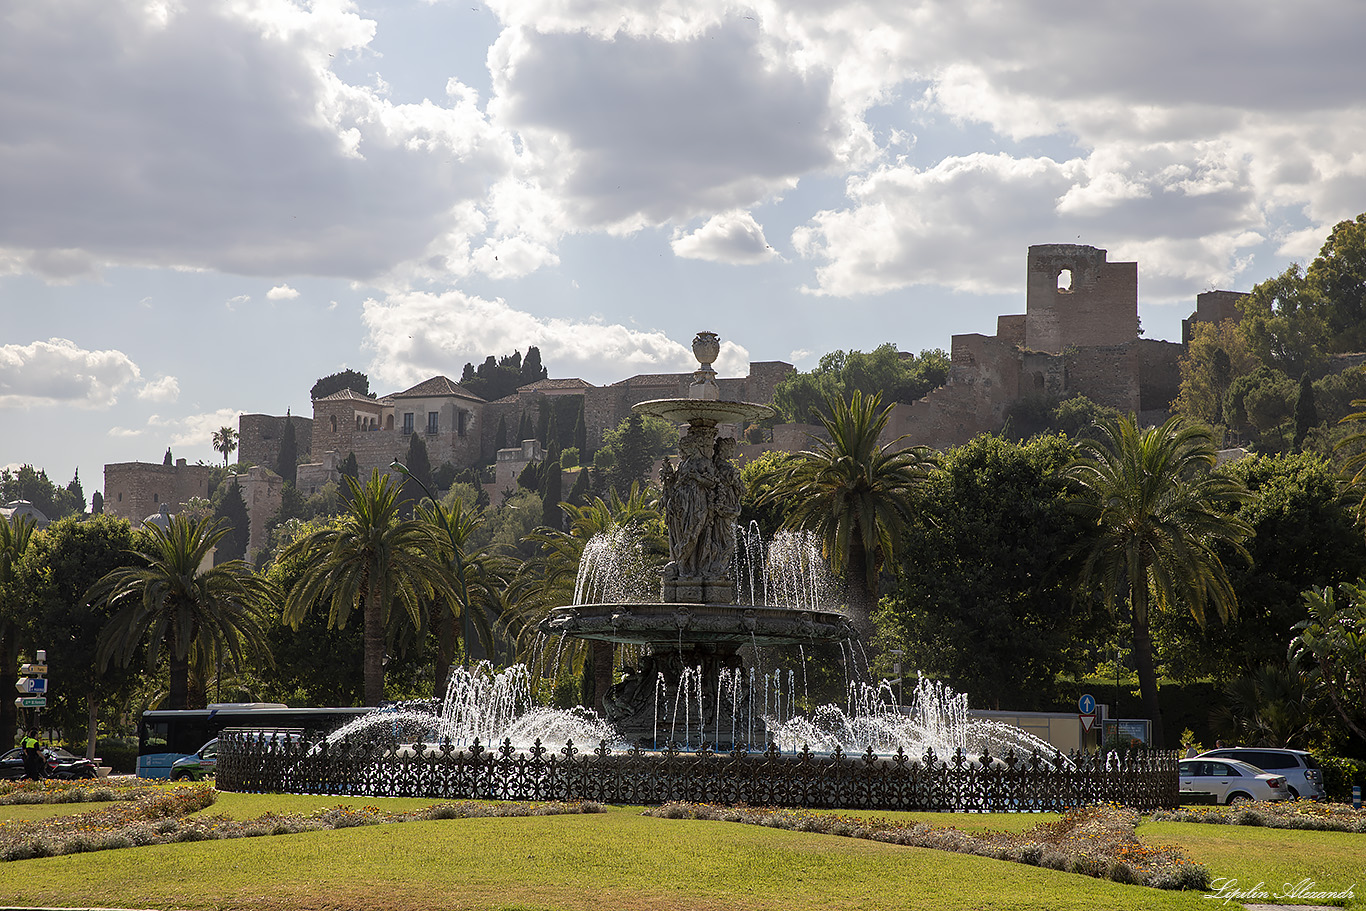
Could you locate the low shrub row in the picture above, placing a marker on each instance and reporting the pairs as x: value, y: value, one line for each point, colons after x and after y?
x: 1096, y: 840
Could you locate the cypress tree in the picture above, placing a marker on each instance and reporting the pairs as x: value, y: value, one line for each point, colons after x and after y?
x: 166, y: 460
x: 578, y: 494
x: 581, y: 436
x: 287, y: 462
x: 349, y: 467
x: 552, y: 486
x: 543, y: 423
x: 530, y: 478
x: 233, y: 509
x: 500, y: 440
x: 531, y: 369
x: 525, y: 431
x: 419, y: 465
x: 96, y: 503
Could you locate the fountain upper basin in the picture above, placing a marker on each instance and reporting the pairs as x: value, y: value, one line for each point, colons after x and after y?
x: 694, y: 624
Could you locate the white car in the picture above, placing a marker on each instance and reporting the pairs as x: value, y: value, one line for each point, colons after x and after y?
x: 1229, y: 780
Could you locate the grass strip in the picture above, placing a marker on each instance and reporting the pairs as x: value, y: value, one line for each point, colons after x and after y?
x: 587, y: 862
x: 1096, y: 840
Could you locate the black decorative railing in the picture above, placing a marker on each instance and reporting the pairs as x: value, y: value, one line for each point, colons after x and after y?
x: 258, y: 761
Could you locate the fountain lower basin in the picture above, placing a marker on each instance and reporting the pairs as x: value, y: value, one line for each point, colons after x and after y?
x: 692, y: 624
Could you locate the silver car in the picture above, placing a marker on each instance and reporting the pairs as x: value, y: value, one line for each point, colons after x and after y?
x: 1302, y: 774
x: 1229, y: 780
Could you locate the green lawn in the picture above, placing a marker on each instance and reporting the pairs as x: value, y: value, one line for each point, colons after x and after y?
x: 620, y: 859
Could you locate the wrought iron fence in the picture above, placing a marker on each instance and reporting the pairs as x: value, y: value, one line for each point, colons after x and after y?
x: 257, y: 761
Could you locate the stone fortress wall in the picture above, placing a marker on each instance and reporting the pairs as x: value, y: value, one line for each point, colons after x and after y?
x: 1079, y: 335
x: 258, y: 437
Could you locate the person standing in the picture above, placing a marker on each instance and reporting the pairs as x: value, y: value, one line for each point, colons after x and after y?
x: 33, y: 757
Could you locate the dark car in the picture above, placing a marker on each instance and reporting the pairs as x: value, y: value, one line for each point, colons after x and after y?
x: 60, y: 764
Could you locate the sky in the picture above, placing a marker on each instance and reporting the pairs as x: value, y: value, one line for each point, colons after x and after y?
x: 207, y: 205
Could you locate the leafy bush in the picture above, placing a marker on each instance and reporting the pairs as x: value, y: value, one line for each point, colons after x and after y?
x: 1339, y: 774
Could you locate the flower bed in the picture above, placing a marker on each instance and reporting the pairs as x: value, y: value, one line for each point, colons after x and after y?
x: 156, y: 814
x: 1289, y: 814
x: 1096, y: 840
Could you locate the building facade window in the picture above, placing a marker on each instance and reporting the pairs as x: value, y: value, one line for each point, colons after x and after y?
x: 431, y: 422
x: 462, y: 420
x: 408, y: 423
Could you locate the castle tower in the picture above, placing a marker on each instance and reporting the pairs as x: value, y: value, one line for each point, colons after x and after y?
x: 1075, y: 298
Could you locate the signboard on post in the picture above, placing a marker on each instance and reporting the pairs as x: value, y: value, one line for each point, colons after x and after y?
x: 1086, y: 711
x: 31, y: 702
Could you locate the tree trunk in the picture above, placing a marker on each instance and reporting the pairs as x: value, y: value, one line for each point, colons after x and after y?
x: 9, y: 712
x: 374, y: 649
x: 445, y: 650
x: 1143, y: 661
x: 602, y: 674
x: 179, y: 697
x: 863, y: 594
x: 92, y: 724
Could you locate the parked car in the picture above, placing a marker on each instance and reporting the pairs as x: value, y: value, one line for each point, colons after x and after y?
x: 197, y: 765
x: 1229, y: 780
x: 60, y: 764
x: 1302, y: 774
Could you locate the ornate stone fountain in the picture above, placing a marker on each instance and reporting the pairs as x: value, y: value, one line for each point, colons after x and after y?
x: 696, y: 624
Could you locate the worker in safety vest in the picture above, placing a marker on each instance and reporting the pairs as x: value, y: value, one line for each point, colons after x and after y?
x: 33, y: 758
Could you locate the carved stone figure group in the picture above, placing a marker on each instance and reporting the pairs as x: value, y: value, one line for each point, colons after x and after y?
x: 701, y: 506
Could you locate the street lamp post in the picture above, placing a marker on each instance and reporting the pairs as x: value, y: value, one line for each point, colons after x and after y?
x: 402, y: 469
x: 896, y: 669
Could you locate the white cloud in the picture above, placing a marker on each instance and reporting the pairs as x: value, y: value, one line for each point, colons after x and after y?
x: 730, y: 237
x: 282, y: 293
x: 416, y: 335
x: 58, y: 372
x: 162, y: 389
x: 195, y: 430
x: 635, y: 129
x: 215, y: 135
x: 233, y: 302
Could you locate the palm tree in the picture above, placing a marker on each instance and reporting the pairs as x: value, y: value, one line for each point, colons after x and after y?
x: 371, y: 559
x: 15, y: 534
x: 855, y: 494
x: 479, y: 577
x: 180, y: 602
x: 548, y: 579
x: 1159, y: 519
x: 225, y: 441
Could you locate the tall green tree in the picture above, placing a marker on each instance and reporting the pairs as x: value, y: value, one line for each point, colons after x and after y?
x: 1306, y: 412
x: 62, y: 562
x: 1330, y: 648
x: 371, y: 560
x: 984, y: 598
x: 884, y: 371
x: 32, y: 484
x: 336, y: 382
x: 15, y: 533
x: 856, y: 495
x: 1158, y: 525
x: 1337, y: 277
x: 1304, y: 535
x: 176, y: 602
